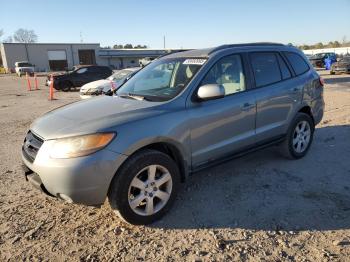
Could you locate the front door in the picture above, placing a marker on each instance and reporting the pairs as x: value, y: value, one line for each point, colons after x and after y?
x: 222, y: 126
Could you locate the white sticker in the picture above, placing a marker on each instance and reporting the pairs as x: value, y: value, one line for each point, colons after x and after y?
x: 194, y: 61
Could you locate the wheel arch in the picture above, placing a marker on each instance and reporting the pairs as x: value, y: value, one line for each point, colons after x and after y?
x: 307, y: 110
x: 167, y: 146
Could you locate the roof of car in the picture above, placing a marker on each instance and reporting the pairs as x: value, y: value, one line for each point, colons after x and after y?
x: 132, y: 68
x: 207, y: 51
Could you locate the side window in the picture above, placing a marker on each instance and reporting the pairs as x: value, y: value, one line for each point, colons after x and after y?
x: 266, y: 68
x: 81, y: 70
x: 284, y: 68
x: 228, y: 72
x: 94, y: 70
x: 298, y: 63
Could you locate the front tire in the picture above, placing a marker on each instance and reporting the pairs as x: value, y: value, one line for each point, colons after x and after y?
x: 299, y: 137
x: 66, y: 86
x: 145, y: 187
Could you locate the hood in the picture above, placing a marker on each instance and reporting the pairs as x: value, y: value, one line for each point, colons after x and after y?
x: 98, y: 114
x: 57, y: 75
x: 96, y: 84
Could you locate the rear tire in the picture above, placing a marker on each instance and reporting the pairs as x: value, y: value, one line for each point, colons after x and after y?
x: 145, y: 187
x: 299, y: 137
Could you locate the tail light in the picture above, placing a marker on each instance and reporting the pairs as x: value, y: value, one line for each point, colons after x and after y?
x: 321, y: 81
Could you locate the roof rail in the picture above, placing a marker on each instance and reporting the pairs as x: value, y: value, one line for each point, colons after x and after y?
x: 221, y: 47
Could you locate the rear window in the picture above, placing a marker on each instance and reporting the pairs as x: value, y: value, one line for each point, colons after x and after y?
x: 266, y: 68
x: 298, y: 64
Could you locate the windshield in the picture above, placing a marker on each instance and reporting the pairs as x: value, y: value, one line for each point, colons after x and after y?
x: 163, y: 79
x: 119, y: 75
x: 25, y: 65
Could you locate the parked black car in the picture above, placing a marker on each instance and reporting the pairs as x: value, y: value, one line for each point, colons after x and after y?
x: 79, y: 76
x: 341, y: 66
x: 318, y: 60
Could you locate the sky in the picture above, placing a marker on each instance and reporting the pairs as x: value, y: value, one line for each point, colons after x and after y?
x: 184, y: 23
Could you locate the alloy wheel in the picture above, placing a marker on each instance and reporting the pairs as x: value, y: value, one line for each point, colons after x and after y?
x: 150, y: 190
x: 301, y: 136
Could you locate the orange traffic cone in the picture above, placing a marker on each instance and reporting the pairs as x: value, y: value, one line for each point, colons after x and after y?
x: 51, y: 89
x: 29, y: 86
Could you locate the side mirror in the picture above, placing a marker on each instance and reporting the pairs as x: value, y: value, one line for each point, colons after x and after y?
x: 210, y: 91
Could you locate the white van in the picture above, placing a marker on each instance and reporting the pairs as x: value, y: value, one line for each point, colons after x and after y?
x: 24, y: 67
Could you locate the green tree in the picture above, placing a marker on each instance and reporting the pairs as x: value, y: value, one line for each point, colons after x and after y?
x: 140, y: 46
x: 319, y: 45
x: 336, y: 44
x: 116, y: 46
x: 128, y: 46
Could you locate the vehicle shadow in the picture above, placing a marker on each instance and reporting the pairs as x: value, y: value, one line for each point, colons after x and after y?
x: 337, y: 80
x: 264, y: 191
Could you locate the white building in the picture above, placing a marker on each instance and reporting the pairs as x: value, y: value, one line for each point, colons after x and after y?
x: 338, y: 51
x: 57, y: 56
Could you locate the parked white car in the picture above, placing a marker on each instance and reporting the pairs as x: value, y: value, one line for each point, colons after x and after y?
x: 24, y: 67
x: 102, y: 86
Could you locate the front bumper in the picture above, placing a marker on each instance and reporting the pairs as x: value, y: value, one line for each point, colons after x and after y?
x: 83, y: 96
x: 83, y: 180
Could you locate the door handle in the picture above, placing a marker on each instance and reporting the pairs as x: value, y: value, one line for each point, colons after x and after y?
x: 247, y: 106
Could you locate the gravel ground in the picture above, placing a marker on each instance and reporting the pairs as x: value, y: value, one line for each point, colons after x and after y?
x: 261, y: 207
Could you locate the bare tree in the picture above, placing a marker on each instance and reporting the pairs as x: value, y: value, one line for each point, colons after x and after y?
x: 25, y: 36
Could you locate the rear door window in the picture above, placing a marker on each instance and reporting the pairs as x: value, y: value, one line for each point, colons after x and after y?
x: 266, y: 68
x: 298, y: 64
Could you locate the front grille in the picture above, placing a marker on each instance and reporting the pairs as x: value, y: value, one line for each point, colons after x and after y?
x: 31, y: 146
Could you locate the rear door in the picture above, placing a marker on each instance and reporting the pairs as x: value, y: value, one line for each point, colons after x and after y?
x: 94, y: 73
x: 222, y: 126
x: 276, y: 96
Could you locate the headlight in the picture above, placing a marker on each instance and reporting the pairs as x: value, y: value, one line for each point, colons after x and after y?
x: 79, y: 145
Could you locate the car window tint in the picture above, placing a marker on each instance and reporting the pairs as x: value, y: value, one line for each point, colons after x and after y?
x: 266, y: 68
x: 81, y: 70
x: 94, y: 69
x: 297, y: 62
x: 228, y: 72
x: 284, y: 68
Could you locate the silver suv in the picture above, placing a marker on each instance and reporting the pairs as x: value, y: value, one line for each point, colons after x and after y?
x: 179, y: 114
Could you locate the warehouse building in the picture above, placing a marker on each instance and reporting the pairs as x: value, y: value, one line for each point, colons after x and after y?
x: 57, y: 57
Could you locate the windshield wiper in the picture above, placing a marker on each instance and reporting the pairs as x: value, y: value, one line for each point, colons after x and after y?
x: 133, y: 96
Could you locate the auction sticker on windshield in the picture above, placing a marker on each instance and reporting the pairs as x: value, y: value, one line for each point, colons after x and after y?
x: 194, y: 61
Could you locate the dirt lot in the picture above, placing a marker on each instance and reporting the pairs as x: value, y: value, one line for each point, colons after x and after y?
x: 261, y: 207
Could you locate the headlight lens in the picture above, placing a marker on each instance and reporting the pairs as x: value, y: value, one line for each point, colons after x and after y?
x: 79, y: 145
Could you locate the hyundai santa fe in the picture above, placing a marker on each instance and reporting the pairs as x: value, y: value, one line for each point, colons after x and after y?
x: 179, y: 114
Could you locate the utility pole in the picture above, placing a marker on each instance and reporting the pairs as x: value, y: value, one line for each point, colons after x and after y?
x: 164, y: 42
